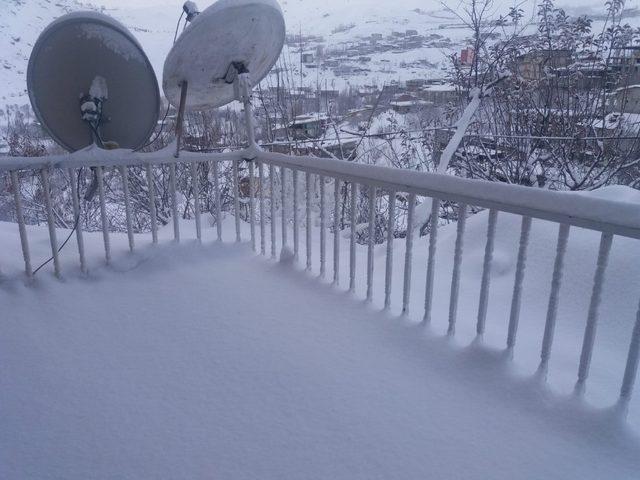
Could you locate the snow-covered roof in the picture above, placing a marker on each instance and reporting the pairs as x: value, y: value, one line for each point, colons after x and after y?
x: 409, y: 103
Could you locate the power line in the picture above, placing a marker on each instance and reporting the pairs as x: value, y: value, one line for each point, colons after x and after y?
x: 492, y: 135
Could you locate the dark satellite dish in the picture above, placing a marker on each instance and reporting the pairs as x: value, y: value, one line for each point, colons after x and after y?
x: 87, y: 72
x: 246, y: 33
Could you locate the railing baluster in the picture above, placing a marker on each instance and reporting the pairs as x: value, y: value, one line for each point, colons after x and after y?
x: 457, y: 263
x: 352, y: 238
x: 124, y: 176
x: 152, y: 204
x: 263, y: 245
x: 44, y: 178
x: 309, y: 229
x: 103, y: 215
x: 323, y: 230
x: 408, y: 255
x: 296, y: 232
x: 594, y: 305
x: 272, y: 205
x: 236, y: 199
x: 486, y: 272
x: 631, y: 368
x: 24, y: 240
x: 336, y: 231
x: 283, y: 206
x: 431, y: 262
x: 252, y: 213
x: 77, y: 220
x: 174, y: 202
x: 388, y: 277
x: 371, y: 241
x: 195, y: 185
x: 516, y: 301
x: 216, y: 191
x: 554, y: 297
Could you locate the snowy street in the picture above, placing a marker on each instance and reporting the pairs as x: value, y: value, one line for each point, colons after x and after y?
x: 208, y: 362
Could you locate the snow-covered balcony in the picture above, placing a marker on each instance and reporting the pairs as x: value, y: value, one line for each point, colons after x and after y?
x: 450, y: 355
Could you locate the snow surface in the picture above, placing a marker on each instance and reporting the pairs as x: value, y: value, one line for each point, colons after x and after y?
x: 208, y: 362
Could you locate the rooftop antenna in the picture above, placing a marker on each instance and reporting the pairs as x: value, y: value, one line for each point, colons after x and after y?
x: 90, y: 82
x: 226, y: 50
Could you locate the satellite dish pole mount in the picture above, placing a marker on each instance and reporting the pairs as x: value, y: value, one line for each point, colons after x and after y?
x: 184, y: 87
x: 238, y: 75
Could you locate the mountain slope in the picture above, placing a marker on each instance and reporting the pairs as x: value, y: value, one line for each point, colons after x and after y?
x: 340, y: 23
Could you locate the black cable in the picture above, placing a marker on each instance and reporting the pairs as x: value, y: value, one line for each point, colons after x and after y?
x: 96, y: 132
x: 157, y: 135
x: 94, y: 128
x: 101, y: 144
x: 175, y: 36
x: 166, y: 114
x: 75, y: 227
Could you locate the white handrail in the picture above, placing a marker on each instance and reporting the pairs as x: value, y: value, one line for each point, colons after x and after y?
x: 575, y: 209
x: 562, y: 207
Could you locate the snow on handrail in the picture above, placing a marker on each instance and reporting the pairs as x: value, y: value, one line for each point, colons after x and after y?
x: 95, y: 157
x: 563, y: 207
x: 599, y: 214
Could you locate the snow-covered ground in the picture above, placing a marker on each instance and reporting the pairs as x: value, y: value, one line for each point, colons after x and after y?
x: 209, y: 362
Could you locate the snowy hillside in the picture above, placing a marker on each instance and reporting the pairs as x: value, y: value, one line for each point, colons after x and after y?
x: 340, y: 23
x: 154, y: 23
x: 21, y: 21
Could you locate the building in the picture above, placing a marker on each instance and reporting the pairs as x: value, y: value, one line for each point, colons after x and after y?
x: 467, y: 56
x: 415, y: 84
x: 626, y: 60
x: 406, y: 103
x: 439, y: 93
x: 534, y: 65
x: 309, y: 126
x: 626, y: 99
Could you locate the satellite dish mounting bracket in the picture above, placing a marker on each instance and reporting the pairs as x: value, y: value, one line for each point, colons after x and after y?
x: 91, y: 114
x: 238, y: 74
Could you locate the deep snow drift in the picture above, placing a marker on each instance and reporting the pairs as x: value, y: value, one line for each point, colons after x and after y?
x: 206, y: 362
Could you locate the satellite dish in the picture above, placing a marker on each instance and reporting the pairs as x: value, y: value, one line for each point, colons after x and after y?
x: 86, y: 65
x: 250, y: 33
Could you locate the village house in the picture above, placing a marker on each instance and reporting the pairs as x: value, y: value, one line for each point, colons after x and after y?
x: 626, y: 99
x: 309, y: 126
x: 534, y: 65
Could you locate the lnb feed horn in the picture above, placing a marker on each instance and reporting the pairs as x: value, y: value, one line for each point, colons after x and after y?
x: 191, y: 10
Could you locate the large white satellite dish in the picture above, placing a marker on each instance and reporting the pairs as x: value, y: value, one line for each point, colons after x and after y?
x: 230, y: 37
x: 88, y: 77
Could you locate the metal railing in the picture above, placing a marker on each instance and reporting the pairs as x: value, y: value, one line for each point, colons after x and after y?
x: 567, y: 210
